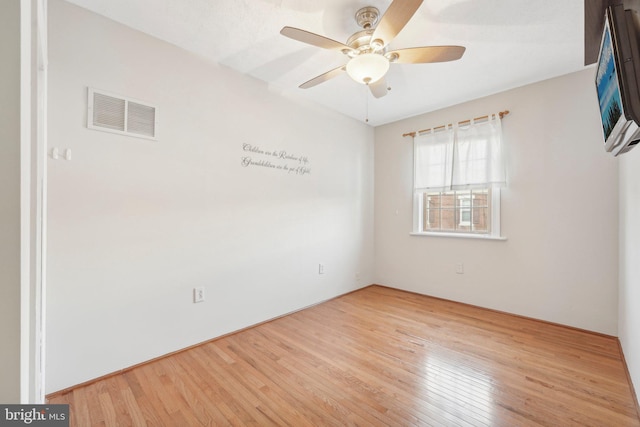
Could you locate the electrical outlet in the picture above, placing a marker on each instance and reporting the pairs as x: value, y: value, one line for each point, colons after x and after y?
x: 320, y: 268
x: 459, y: 268
x: 198, y: 294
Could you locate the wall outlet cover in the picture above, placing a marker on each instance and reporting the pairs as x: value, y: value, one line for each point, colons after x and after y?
x: 198, y: 294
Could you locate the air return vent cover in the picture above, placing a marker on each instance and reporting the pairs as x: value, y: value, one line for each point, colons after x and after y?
x: 115, y: 113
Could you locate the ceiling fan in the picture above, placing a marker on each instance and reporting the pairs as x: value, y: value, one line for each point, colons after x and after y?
x: 369, y: 58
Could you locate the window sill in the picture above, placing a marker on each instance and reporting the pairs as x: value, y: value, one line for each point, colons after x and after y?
x: 458, y: 235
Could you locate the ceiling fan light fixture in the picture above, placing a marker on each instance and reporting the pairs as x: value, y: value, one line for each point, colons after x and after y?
x: 367, y: 68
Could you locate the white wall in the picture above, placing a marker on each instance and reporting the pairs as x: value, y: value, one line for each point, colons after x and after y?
x: 629, y: 290
x: 135, y: 225
x: 559, y: 212
x: 10, y: 202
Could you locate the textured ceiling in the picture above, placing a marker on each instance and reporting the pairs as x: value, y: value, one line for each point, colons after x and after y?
x: 509, y: 43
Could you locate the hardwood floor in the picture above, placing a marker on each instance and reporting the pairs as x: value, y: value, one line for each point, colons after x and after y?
x: 378, y: 357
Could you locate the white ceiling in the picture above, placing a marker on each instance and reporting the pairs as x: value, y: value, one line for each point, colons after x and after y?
x: 509, y: 43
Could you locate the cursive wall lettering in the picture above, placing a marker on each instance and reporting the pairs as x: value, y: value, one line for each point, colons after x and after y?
x: 281, y: 160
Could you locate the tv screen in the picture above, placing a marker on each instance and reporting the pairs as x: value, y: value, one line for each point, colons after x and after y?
x: 608, y: 86
x: 617, y: 79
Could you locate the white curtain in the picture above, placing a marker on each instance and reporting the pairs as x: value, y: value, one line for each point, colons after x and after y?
x: 460, y: 157
x: 433, y: 157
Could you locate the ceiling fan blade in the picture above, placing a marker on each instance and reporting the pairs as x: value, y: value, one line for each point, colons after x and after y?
x: 426, y: 54
x: 379, y: 88
x: 323, y: 77
x: 314, y: 39
x: 394, y: 20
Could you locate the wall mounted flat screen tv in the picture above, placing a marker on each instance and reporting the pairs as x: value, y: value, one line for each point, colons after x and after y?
x: 617, y: 80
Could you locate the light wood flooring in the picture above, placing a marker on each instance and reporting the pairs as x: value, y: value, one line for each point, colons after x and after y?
x: 375, y: 357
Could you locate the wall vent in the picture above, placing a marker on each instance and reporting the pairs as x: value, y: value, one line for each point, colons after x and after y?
x: 118, y: 114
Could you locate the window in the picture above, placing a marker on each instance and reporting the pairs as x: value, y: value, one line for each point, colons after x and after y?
x: 462, y: 211
x: 457, y: 178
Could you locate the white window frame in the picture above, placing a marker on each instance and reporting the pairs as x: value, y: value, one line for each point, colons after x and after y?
x: 493, y: 234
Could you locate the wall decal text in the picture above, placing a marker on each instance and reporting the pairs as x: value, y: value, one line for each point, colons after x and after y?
x: 290, y: 163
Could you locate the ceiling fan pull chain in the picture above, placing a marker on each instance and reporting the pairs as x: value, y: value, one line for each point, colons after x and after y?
x: 366, y: 97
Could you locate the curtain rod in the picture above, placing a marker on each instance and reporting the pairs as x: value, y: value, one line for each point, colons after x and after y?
x: 463, y: 122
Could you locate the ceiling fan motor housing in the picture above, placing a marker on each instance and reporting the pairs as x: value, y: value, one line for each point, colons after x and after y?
x: 360, y: 40
x: 367, y: 17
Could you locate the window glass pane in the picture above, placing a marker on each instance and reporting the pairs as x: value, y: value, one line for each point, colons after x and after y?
x: 463, y: 198
x: 481, y: 198
x: 433, y: 200
x: 464, y: 227
x: 432, y: 222
x: 465, y: 211
x: 448, y: 221
x: 481, y: 220
x: 448, y: 199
